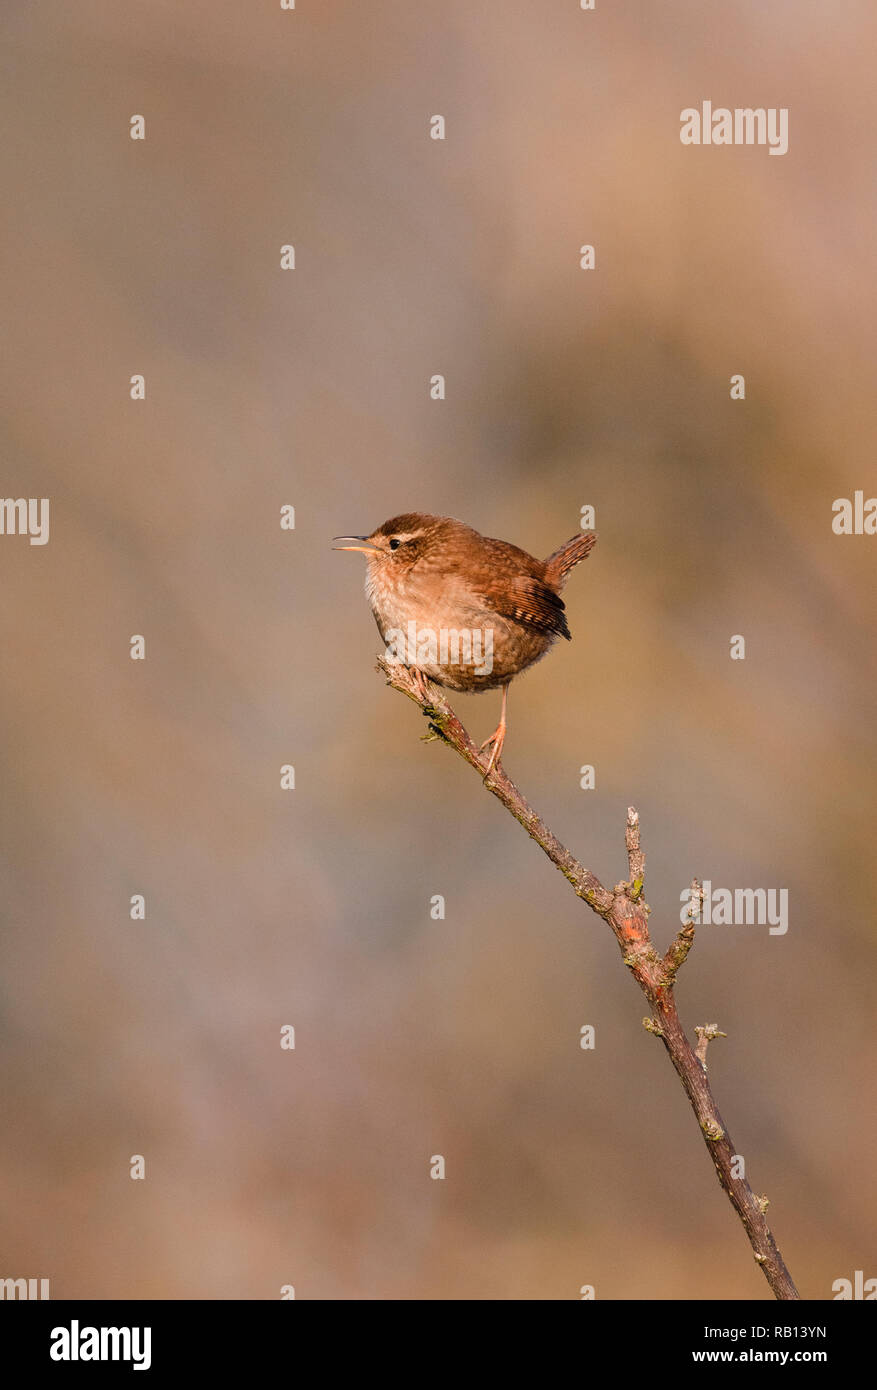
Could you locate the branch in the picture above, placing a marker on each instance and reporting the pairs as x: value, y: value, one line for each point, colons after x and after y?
x: 626, y: 912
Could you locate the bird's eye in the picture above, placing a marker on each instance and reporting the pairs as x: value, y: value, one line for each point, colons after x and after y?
x: 395, y: 543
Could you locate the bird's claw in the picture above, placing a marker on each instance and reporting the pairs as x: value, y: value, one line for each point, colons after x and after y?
x: 495, y: 742
x: 421, y: 683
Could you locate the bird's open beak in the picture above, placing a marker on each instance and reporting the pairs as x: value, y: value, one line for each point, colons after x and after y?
x: 366, y: 549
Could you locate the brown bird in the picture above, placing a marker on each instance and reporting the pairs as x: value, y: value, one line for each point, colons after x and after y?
x: 462, y: 609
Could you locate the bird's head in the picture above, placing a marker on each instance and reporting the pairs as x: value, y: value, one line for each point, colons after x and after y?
x: 400, y: 542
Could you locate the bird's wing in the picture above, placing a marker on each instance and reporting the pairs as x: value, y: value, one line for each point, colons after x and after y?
x: 527, y: 600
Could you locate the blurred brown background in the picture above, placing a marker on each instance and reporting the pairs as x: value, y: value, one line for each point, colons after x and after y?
x: 311, y: 907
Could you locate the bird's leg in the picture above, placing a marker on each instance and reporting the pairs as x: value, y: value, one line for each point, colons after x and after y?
x: 497, y: 738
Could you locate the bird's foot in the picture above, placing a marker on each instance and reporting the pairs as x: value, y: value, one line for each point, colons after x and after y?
x: 421, y: 683
x: 495, y: 743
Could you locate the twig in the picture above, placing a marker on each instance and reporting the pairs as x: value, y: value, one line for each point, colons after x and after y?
x: 705, y: 1036
x: 626, y: 912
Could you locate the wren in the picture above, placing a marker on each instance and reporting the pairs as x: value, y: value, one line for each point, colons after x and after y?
x: 462, y: 609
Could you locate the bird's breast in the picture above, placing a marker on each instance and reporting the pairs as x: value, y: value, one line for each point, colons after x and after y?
x: 440, y: 626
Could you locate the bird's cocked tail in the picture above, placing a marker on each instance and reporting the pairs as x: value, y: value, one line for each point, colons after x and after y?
x: 558, y: 565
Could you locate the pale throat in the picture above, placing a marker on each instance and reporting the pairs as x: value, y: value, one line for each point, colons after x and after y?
x: 415, y: 598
